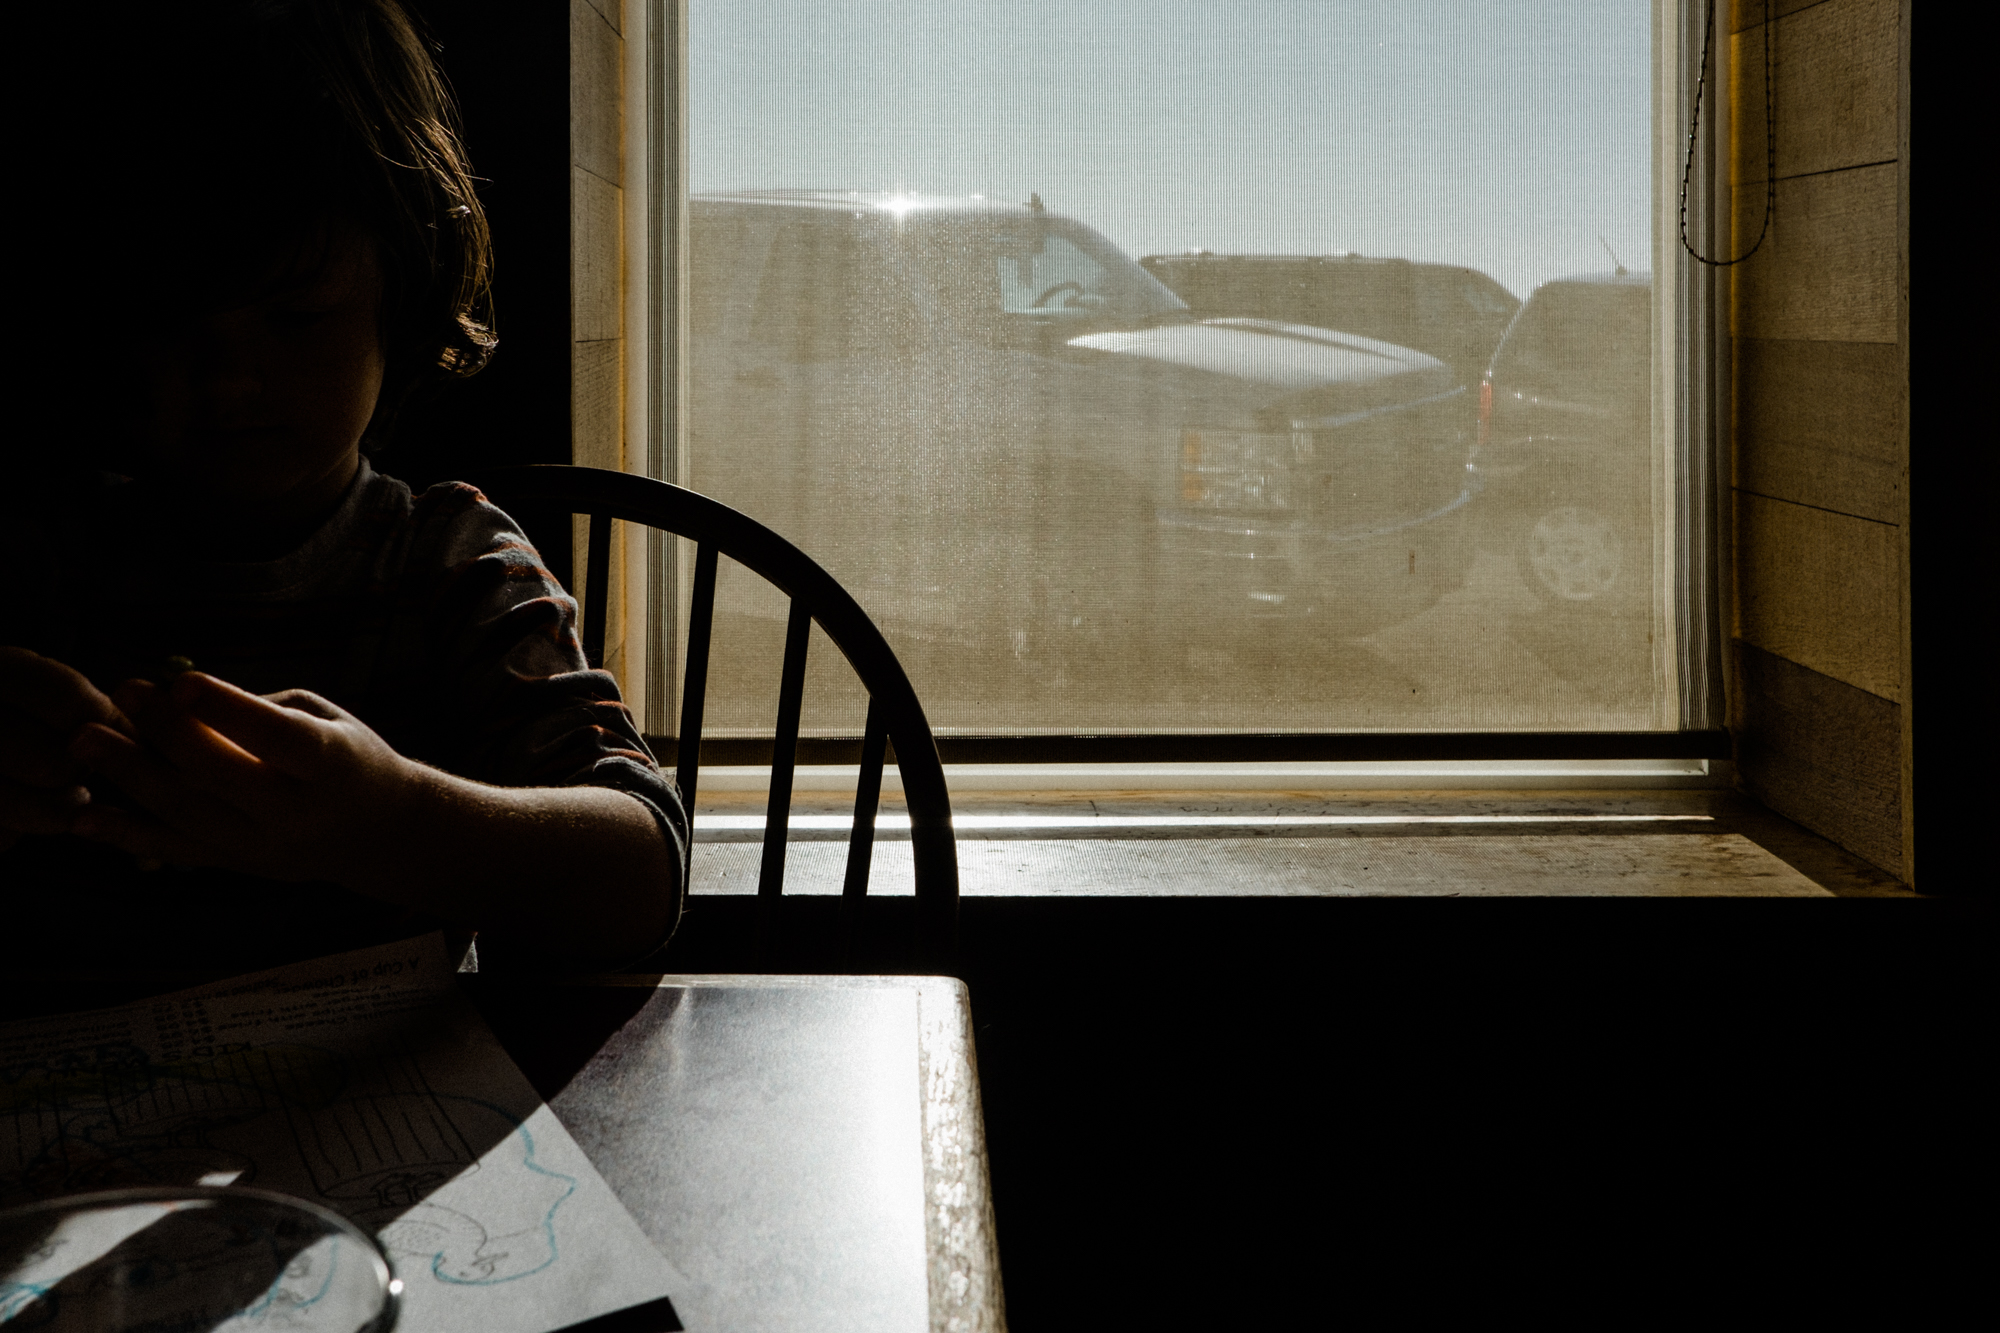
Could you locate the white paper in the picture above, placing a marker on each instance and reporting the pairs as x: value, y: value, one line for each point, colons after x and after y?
x: 365, y: 1082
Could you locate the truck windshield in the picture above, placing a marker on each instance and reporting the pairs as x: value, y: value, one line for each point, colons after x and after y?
x: 1044, y: 271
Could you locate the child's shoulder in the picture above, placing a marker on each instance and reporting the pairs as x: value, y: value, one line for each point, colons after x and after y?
x: 452, y: 524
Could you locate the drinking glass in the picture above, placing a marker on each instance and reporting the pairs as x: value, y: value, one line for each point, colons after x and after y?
x: 217, y: 1259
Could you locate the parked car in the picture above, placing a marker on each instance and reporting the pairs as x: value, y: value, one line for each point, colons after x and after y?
x: 1012, y: 441
x: 1453, y: 313
x: 1565, y: 435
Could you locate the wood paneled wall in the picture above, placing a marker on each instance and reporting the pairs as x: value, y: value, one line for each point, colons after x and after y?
x: 1821, y: 438
x: 597, y: 277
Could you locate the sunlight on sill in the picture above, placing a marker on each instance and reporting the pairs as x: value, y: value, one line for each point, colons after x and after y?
x: 1389, y: 775
x: 972, y: 823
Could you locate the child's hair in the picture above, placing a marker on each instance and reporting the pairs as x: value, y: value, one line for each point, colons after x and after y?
x: 251, y: 133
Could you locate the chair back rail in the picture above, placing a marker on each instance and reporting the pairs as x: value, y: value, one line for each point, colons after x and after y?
x: 895, y: 717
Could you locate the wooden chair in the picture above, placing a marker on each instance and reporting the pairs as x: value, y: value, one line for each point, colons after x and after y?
x: 894, y: 714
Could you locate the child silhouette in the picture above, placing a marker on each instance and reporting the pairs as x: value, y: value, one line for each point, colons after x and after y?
x: 390, y: 725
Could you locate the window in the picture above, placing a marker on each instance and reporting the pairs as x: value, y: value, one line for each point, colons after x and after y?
x: 1152, y: 367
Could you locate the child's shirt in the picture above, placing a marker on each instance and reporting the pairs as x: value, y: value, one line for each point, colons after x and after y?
x: 430, y: 618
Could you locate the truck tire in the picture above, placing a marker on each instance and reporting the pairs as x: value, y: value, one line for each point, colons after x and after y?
x: 1585, y: 558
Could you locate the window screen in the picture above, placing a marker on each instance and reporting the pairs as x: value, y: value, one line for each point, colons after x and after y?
x: 1155, y: 366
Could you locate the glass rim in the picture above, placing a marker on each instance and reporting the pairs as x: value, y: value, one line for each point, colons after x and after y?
x: 391, y: 1287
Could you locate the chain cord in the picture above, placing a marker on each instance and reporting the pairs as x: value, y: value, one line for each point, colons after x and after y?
x: 1770, y: 144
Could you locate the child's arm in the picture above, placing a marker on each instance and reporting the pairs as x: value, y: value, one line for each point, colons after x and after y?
x: 293, y: 787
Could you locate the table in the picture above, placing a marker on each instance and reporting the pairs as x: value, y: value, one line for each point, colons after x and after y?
x: 808, y: 1151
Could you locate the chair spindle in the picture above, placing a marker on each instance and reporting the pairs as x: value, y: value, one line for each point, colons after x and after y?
x: 867, y: 800
x: 861, y: 839
x: 597, y: 588
x: 694, y: 684
x: 784, y: 752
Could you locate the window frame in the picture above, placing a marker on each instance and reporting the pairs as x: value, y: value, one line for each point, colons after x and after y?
x: 1690, y: 408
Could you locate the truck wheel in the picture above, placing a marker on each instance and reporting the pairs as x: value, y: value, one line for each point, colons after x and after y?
x: 1584, y: 558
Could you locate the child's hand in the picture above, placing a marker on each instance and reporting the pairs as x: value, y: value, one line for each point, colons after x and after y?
x: 292, y: 787
x: 42, y: 705
x: 289, y: 787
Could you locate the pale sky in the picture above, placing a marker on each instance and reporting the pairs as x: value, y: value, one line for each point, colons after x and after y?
x: 1508, y: 135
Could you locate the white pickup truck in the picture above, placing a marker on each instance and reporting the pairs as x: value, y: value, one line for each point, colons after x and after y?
x: 1003, y: 434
